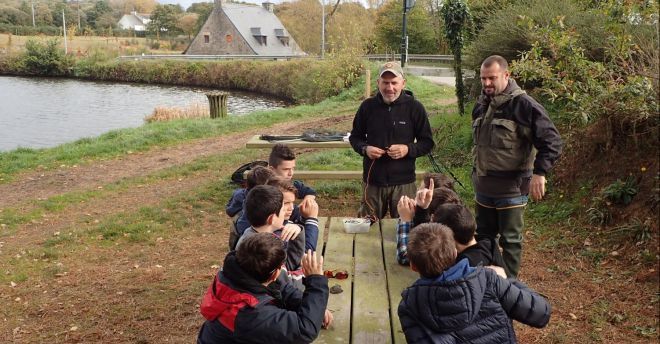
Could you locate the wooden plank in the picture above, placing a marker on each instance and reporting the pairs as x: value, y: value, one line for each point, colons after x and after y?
x: 334, y: 175
x: 256, y: 142
x: 398, y: 277
x: 371, y: 318
x: 339, y: 255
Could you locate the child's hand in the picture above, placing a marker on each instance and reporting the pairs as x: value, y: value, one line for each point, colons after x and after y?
x: 290, y: 232
x: 498, y: 269
x: 327, y: 319
x: 309, y: 208
x: 406, y: 208
x: 425, y: 195
x: 310, y: 265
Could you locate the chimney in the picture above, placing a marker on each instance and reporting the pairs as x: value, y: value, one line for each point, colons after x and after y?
x: 269, y: 6
x: 217, y: 3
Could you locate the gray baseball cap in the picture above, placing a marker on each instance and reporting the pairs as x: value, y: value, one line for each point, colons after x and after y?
x: 393, y: 67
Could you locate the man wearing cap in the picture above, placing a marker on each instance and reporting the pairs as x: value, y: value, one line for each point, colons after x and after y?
x: 390, y: 130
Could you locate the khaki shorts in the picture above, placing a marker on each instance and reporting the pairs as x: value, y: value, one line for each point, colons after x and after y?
x: 382, y: 198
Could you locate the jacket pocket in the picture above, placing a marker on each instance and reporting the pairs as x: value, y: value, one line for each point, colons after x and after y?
x: 504, y: 133
x: 475, y: 130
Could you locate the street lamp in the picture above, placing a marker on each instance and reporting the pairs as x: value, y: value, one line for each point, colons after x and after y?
x: 407, y: 5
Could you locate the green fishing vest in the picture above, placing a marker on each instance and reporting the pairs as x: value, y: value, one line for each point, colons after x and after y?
x: 500, y: 144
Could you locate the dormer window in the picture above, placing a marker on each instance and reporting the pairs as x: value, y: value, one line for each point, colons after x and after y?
x: 282, y: 36
x: 256, y: 33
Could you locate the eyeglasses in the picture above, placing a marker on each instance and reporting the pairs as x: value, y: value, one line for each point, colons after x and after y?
x: 338, y: 274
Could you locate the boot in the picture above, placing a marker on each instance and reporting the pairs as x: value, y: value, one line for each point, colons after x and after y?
x: 511, y: 224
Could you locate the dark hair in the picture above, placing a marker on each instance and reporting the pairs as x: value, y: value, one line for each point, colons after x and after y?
x: 282, y: 184
x: 261, y: 202
x: 431, y: 249
x: 259, y: 255
x: 501, y: 61
x: 459, y: 219
x: 258, y: 176
x: 443, y: 196
x: 439, y: 180
x: 279, y: 153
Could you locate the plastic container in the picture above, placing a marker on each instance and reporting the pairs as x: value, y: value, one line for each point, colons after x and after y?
x: 354, y: 225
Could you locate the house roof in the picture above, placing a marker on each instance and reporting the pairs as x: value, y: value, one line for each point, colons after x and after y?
x: 253, y: 21
x: 130, y: 21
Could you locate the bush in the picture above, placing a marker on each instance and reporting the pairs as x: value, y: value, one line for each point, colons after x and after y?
x: 621, y: 192
x: 503, y: 35
x: 44, y: 59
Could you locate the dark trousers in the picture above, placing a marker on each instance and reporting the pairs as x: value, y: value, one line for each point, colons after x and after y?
x: 508, y: 223
x: 377, y: 200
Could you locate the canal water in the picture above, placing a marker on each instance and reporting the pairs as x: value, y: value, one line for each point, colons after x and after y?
x: 45, y: 112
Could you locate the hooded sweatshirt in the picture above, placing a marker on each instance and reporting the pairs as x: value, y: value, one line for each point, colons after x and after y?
x: 468, y: 305
x: 381, y: 125
x: 239, y: 309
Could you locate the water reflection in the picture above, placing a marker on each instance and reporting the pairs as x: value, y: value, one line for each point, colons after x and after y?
x: 45, y: 112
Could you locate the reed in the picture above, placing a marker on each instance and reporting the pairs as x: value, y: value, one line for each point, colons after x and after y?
x: 169, y: 113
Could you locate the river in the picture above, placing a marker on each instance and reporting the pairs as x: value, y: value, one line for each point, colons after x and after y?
x: 46, y: 112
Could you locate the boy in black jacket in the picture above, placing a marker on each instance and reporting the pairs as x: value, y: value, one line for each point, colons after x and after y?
x: 242, y: 305
x: 456, y: 303
x: 462, y: 223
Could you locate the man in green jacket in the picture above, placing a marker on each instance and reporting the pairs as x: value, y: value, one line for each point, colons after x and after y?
x: 515, y: 145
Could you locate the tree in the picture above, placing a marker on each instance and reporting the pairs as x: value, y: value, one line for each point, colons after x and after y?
x: 165, y: 18
x: 203, y: 10
x: 9, y: 15
x: 421, y: 38
x: 188, y: 24
x: 457, y: 19
x: 351, y: 27
x: 43, y: 14
x: 303, y: 21
x: 101, y: 8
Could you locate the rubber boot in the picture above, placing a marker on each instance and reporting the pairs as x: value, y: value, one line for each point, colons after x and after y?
x: 511, y: 226
x: 487, y: 225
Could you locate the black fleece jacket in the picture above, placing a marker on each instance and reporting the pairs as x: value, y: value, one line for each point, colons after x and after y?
x: 381, y: 125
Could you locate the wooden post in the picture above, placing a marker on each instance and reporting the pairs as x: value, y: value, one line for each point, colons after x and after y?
x: 367, y: 83
x: 218, y: 104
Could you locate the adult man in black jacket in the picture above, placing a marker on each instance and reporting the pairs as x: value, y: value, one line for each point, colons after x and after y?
x: 390, y: 130
x: 515, y: 145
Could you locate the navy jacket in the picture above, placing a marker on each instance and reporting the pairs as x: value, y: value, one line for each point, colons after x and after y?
x: 485, y: 252
x: 473, y: 306
x: 381, y: 125
x: 238, y: 309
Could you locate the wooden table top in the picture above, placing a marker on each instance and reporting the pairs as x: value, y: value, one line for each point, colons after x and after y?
x: 366, y: 310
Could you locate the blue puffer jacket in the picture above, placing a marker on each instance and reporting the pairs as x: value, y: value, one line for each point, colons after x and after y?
x: 469, y: 305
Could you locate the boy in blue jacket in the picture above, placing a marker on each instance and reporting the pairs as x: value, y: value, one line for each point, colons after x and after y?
x: 455, y: 303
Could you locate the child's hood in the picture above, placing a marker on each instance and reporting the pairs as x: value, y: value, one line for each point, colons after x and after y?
x: 445, y: 305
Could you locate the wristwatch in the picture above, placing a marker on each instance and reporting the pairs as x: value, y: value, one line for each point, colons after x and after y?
x: 364, y: 150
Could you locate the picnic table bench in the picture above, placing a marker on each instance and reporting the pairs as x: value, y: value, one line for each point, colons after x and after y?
x: 366, y: 310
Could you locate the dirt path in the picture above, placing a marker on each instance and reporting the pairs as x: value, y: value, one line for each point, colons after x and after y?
x: 42, y: 185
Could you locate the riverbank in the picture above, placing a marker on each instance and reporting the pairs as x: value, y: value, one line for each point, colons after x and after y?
x: 116, y: 239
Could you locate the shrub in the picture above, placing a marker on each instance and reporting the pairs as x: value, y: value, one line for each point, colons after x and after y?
x: 502, y: 34
x: 44, y: 59
x: 621, y: 192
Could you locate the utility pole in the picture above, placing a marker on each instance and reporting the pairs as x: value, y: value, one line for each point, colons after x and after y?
x: 64, y: 30
x: 322, y: 29
x: 78, y: 15
x: 33, y: 23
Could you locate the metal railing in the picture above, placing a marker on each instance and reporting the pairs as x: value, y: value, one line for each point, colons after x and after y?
x: 377, y: 57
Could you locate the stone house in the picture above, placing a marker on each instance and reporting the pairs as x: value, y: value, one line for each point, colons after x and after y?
x: 243, y: 29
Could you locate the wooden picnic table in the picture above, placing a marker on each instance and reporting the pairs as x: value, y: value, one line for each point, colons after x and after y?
x: 256, y: 142
x: 366, y: 310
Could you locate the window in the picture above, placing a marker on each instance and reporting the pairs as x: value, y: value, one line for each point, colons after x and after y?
x: 207, y: 38
x: 228, y: 38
